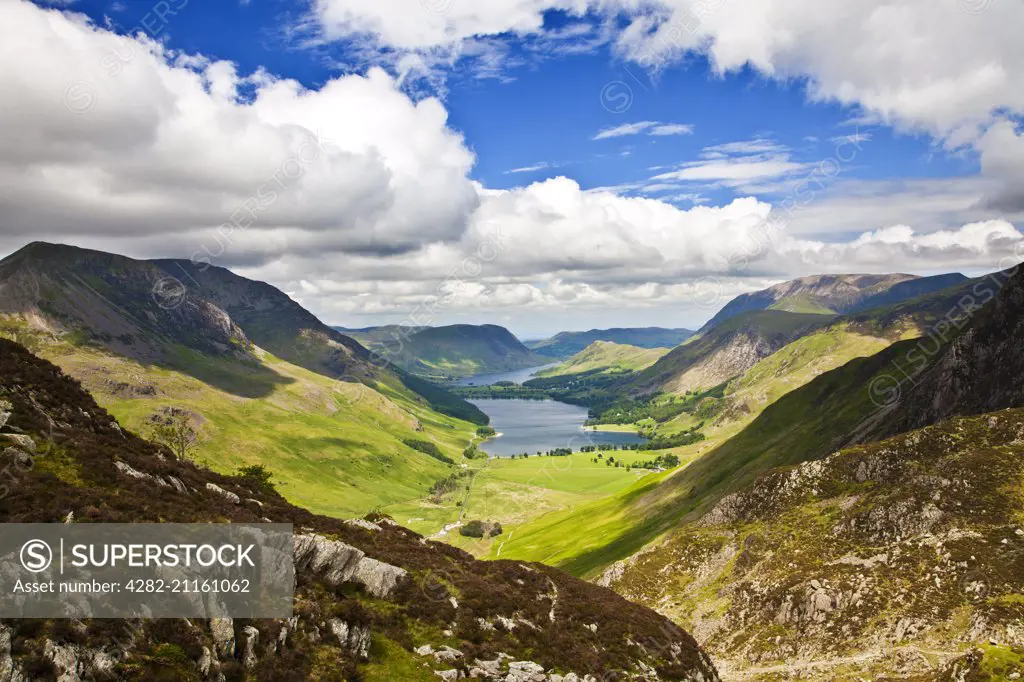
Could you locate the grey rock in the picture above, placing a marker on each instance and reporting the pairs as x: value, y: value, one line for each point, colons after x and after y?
x: 22, y: 442
x: 378, y: 578
x: 223, y: 632
x: 252, y: 639
x: 127, y: 470
x: 227, y: 494
x: 354, y: 638
x: 332, y: 560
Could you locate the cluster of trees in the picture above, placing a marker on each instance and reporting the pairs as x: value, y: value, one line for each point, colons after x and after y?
x: 446, y: 485
x: 659, y: 407
x: 428, y: 448
x: 481, y: 529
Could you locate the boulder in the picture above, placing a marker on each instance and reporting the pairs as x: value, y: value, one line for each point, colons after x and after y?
x: 252, y: 639
x: 227, y: 494
x: 378, y: 578
x: 223, y: 632
x: 332, y: 560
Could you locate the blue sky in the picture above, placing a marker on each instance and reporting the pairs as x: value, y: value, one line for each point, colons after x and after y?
x: 543, y: 113
x: 620, y: 161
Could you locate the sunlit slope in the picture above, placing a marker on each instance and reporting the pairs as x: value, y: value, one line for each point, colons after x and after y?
x: 608, y: 358
x: 334, y: 447
x: 622, y: 523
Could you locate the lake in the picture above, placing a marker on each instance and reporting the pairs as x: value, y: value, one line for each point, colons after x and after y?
x: 532, y: 425
x: 517, y: 376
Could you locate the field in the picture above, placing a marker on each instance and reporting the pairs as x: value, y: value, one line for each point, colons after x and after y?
x: 515, y: 492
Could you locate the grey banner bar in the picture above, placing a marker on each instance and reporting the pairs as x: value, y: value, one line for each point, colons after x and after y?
x: 146, y: 570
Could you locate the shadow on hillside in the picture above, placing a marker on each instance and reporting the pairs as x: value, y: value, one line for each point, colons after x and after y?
x: 237, y: 378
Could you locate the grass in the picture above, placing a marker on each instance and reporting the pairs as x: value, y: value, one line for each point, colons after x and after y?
x: 395, y: 663
x: 515, y: 492
x: 621, y: 523
x: 334, y: 448
x: 608, y: 358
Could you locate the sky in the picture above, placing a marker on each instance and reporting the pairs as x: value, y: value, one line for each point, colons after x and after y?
x: 541, y: 164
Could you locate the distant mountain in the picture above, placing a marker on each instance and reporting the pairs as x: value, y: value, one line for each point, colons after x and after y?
x: 374, y: 601
x: 567, y: 344
x: 838, y: 294
x: 608, y: 358
x: 372, y: 336
x: 262, y: 377
x: 725, y: 351
x: 452, y: 351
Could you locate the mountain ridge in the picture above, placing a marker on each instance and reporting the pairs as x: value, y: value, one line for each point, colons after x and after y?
x: 839, y: 294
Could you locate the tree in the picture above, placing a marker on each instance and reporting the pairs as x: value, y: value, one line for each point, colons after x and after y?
x: 257, y: 476
x: 173, y: 429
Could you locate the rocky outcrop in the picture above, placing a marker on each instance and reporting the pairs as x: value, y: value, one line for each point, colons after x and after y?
x: 354, y: 638
x: 331, y: 560
x: 226, y: 494
x: 378, y: 578
x: 223, y: 632
x: 863, y: 558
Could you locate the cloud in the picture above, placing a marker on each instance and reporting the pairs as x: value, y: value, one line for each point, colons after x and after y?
x: 736, y: 164
x: 671, y: 129
x: 957, y: 74
x: 653, y: 128
x: 530, y: 169
x: 127, y: 146
x: 120, y: 136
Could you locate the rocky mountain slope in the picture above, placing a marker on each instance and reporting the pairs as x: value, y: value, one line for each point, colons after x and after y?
x: 907, y: 551
x: 374, y: 601
x: 840, y: 294
x: 894, y: 558
x: 567, y: 344
x: 451, y: 351
x: 972, y: 362
x: 725, y: 351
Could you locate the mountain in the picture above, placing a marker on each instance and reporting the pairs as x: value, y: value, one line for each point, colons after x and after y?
x: 825, y: 390
x: 725, y: 351
x: 452, y: 351
x: 261, y: 379
x: 970, y: 363
x: 369, y: 337
x: 900, y: 559
x: 835, y: 294
x: 374, y: 601
x: 567, y: 344
x: 608, y: 358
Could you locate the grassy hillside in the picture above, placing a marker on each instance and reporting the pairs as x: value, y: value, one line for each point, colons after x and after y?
x: 373, y: 601
x: 264, y: 383
x: 336, y: 448
x: 608, y: 358
x: 567, y: 344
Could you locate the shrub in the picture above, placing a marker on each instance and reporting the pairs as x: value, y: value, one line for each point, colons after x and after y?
x: 257, y: 476
x: 473, y: 529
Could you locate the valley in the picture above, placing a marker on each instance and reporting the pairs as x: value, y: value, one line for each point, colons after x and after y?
x: 724, y: 457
